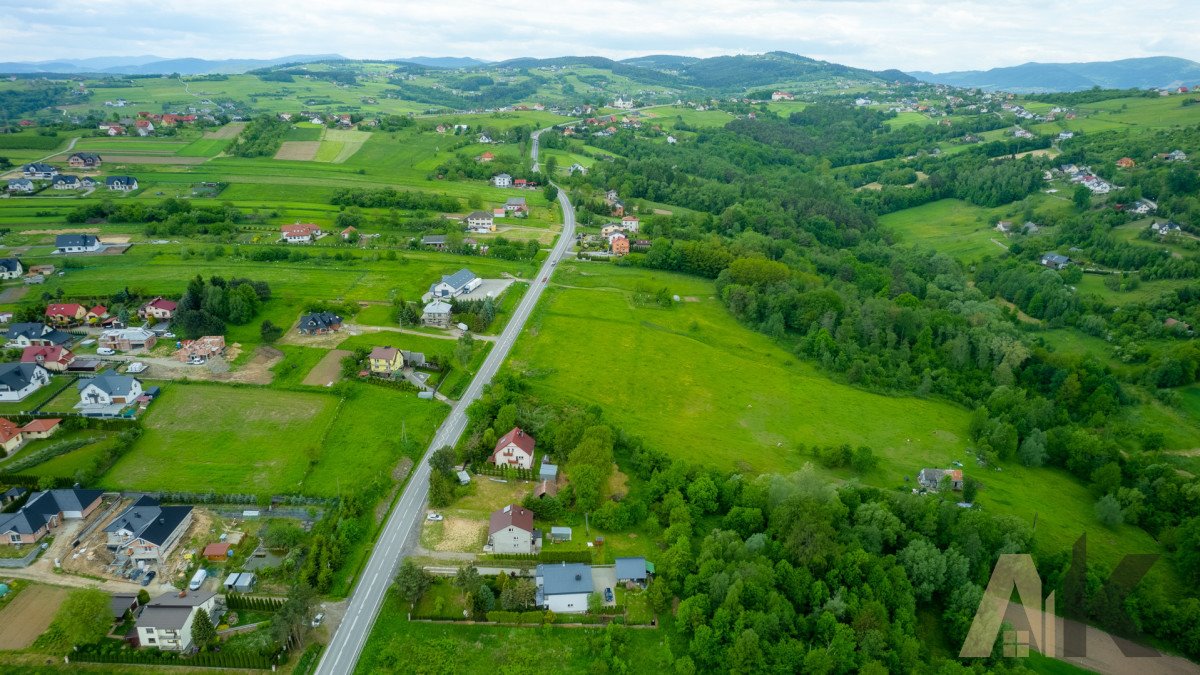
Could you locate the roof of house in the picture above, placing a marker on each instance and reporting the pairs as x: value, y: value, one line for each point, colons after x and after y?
x: 149, y: 520
x: 120, y: 603
x: 1056, y: 257
x: 162, y: 303
x: 16, y: 376
x: 517, y: 437
x: 64, y: 178
x: 320, y: 320
x: 132, y: 334
x: 66, y: 308
x: 98, y: 310
x: 56, y: 353
x: 479, y: 214
x: 511, y: 516
x: 560, y: 529
x: 438, y: 307
x: 384, y: 353
x: 110, y: 383
x: 42, y: 505
x: 41, y: 424
x: 120, y: 180
x: 8, y: 430
x: 20, y: 181
x: 516, y: 201
x: 299, y: 229
x: 433, y: 239
x: 10, y: 264
x: 86, y: 156
x: 217, y: 549
x: 501, y: 175
x: 565, y: 578
x: 631, y: 568
x: 170, y: 611
x: 460, y: 278
x: 73, y: 240
x: 38, y: 166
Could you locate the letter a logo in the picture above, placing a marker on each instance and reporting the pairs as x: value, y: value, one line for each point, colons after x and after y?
x: 1011, y: 570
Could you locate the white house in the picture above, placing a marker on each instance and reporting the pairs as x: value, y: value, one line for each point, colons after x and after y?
x: 77, y: 243
x: 514, y: 449
x: 300, y: 233
x: 510, y: 530
x: 18, y: 380
x: 502, y: 180
x: 166, y: 621
x: 20, y: 185
x: 436, y: 314
x: 109, y: 389
x: 121, y: 183
x: 480, y: 222
x: 11, y: 268
x: 453, y: 285
x: 148, y: 531
x: 39, y: 170
x: 564, y: 588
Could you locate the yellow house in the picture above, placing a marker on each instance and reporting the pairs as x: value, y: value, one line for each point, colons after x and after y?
x: 386, y: 361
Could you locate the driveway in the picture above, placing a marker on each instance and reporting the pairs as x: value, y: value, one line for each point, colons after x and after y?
x: 605, y: 577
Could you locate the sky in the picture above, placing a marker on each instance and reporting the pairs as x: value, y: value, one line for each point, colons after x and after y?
x: 934, y: 35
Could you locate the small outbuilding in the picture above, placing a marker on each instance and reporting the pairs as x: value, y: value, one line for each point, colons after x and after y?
x: 632, y: 569
x: 218, y: 551
x: 560, y: 534
x: 240, y: 582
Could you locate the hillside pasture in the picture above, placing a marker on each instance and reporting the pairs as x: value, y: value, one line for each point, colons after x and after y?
x: 298, y: 150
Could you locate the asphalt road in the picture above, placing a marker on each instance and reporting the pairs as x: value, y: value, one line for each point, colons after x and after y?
x: 347, y: 643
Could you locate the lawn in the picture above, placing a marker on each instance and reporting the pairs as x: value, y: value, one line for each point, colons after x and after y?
x: 950, y: 226
x: 397, y: 644
x: 40, y: 396
x: 697, y: 385
x: 67, y: 465
x: 227, y: 439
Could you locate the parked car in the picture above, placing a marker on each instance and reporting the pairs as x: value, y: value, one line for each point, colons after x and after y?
x: 608, y: 595
x: 168, y: 335
x: 105, y: 351
x: 149, y: 577
x: 318, y: 619
x: 434, y: 517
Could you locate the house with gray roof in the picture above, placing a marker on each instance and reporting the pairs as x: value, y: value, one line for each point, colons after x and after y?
x: 436, y: 314
x: 121, y: 183
x: 318, y: 323
x: 77, y: 243
x: 1055, y: 261
x: 19, y: 380
x: 632, y: 569
x: 516, y: 204
x: 454, y: 285
x: 107, y: 393
x: 480, y: 222
x: 39, y: 170
x: 564, y: 588
x: 147, y: 531
x: 434, y: 241
x: 20, y: 185
x: 65, y: 182
x: 45, y: 511
x: 11, y: 268
x: 166, y: 622
x: 34, y: 334
x: 84, y: 160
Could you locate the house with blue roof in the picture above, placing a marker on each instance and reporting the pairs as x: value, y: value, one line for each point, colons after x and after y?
x: 564, y: 588
x: 454, y: 285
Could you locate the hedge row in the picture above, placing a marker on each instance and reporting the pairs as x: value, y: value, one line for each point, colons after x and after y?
x: 546, y: 556
x: 254, y: 602
x: 202, y: 660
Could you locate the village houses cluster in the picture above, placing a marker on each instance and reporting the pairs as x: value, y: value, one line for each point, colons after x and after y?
x: 37, y: 176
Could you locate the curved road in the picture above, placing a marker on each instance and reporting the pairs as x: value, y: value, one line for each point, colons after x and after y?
x: 343, y: 651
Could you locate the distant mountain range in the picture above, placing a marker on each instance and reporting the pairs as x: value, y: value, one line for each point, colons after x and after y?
x: 451, y: 62
x: 156, y: 65
x: 1144, y: 73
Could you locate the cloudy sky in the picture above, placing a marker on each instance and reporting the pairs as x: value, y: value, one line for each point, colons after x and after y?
x: 934, y: 35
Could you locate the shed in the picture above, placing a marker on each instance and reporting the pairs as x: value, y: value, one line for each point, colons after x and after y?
x: 560, y: 533
x: 631, y: 569
x: 240, y: 582
x: 463, y: 477
x: 218, y: 551
x: 548, y: 471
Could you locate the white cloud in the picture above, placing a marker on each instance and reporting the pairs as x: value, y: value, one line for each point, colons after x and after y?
x: 907, y: 34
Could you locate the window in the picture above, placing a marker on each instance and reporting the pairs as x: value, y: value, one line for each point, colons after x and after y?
x: 150, y: 641
x: 14, y: 538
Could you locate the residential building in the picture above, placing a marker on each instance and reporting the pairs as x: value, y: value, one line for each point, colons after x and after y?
x: 42, y: 427
x: 121, y: 183
x: 147, y: 531
x: 480, y: 222
x: 620, y: 245
x: 1055, y: 261
x: 577, y: 168
x: 26, y: 334
x: 318, y: 323
x: 84, y: 160
x: 109, y: 389
x: 54, y: 358
x: 1126, y: 163
x: 20, y: 185
x: 502, y: 180
x: 931, y: 479
x: 486, y: 157
x: 516, y: 205
x: 11, y: 438
x: 39, y: 170
x: 159, y: 309
x: 782, y: 96
x: 19, y: 380
x: 1165, y: 228
x: 65, y: 182
x: 631, y: 223
x: 632, y: 570
x: 128, y: 339
x: 77, y: 243
x: 300, y: 233
x: 166, y: 621
x: 11, y: 268
x: 564, y: 588
x: 385, y: 361
x: 454, y: 285
x: 349, y: 233
x: 436, y: 314
x: 65, y: 314
x: 96, y: 315
x: 510, y: 530
x: 201, y: 349
x: 514, y: 449
x: 45, y: 511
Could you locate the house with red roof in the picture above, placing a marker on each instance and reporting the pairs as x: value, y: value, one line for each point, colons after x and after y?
x: 931, y: 479
x: 631, y: 223
x: 486, y: 157
x: 54, y: 358
x: 510, y: 530
x: 43, y: 427
x: 349, y: 232
x: 10, y: 436
x: 65, y: 314
x: 96, y: 314
x: 300, y: 233
x: 159, y: 308
x: 514, y: 449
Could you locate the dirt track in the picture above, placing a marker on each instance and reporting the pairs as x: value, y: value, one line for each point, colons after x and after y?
x: 29, y: 615
x: 327, y: 370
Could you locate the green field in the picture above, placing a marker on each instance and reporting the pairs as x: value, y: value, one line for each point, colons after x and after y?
x: 960, y: 229
x: 697, y: 385
x: 257, y: 440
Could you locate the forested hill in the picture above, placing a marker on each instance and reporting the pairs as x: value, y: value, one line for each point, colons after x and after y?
x: 1158, y: 71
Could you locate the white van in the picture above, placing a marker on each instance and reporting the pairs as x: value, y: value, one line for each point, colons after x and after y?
x: 198, y: 580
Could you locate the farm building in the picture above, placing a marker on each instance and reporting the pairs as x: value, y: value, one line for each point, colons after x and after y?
x: 453, y: 285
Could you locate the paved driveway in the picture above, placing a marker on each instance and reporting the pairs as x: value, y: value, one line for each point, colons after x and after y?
x: 605, y: 577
